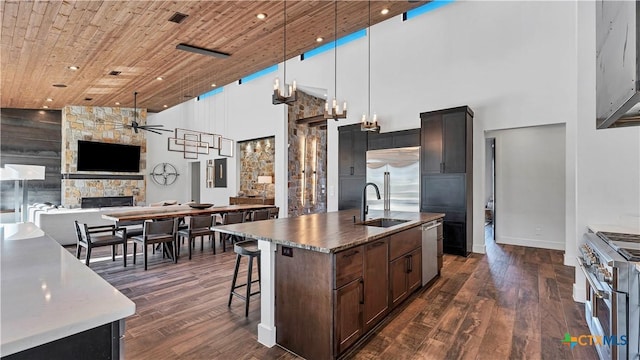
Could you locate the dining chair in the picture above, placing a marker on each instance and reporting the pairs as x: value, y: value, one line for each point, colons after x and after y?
x: 157, y: 232
x: 274, y: 212
x: 199, y: 226
x: 95, y: 236
x: 257, y: 215
x: 231, y: 218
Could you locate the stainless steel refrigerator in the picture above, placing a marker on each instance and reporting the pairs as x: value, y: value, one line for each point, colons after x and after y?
x: 396, y: 172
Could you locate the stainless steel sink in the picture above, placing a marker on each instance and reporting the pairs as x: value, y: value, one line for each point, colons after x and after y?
x: 383, y: 222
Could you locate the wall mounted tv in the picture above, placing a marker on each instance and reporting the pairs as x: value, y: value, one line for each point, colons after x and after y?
x: 99, y: 156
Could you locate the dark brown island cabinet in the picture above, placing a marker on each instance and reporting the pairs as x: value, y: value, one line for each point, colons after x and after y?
x: 326, y: 302
x: 446, y: 174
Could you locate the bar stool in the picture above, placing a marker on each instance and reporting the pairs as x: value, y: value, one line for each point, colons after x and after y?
x: 250, y: 250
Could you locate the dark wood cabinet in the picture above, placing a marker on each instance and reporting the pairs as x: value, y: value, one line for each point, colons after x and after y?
x: 446, y: 170
x: 102, y: 342
x: 405, y: 276
x: 405, y: 265
x: 352, y: 165
x: 258, y: 200
x: 325, y: 303
x: 395, y: 139
x: 444, y: 142
x: 348, y: 314
x: 376, y: 282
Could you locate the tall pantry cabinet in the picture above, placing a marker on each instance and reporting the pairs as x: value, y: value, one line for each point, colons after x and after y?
x: 446, y: 173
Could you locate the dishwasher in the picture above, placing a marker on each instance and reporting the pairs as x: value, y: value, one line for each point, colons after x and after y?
x: 429, y: 251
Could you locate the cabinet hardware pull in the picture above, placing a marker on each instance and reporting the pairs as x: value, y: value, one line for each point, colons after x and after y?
x: 351, y: 169
x: 361, y: 291
x: 379, y: 243
x: 351, y: 254
x: 408, y: 264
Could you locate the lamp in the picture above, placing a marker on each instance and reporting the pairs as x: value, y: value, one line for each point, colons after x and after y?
x: 369, y: 124
x: 22, y: 173
x: 284, y: 97
x: 264, y: 180
x: 335, y: 108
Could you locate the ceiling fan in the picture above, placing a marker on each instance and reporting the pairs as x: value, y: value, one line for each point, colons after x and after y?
x: 134, y: 124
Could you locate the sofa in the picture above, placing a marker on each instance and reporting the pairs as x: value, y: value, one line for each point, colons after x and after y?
x: 58, y: 222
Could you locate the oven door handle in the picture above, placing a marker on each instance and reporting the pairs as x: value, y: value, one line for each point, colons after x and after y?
x: 596, y: 290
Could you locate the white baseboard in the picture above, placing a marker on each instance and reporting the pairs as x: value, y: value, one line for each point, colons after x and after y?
x: 569, y: 260
x: 579, y: 293
x: 266, y: 335
x: 480, y: 248
x: 543, y: 244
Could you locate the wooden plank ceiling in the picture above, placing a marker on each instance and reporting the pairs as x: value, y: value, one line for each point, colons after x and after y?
x: 41, y: 39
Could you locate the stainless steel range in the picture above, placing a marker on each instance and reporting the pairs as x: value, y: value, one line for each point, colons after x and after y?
x: 612, y: 308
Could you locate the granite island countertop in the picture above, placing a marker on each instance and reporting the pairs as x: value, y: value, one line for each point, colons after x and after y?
x: 326, y: 232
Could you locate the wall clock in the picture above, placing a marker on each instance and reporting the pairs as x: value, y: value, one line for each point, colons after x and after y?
x: 164, y: 174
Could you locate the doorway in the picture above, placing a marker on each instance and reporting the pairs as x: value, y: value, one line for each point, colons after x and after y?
x: 490, y: 190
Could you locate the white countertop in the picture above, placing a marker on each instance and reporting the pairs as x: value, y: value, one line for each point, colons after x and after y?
x: 48, y: 294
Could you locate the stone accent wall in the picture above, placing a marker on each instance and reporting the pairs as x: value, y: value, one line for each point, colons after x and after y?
x: 257, y: 158
x: 310, y: 178
x: 101, y: 124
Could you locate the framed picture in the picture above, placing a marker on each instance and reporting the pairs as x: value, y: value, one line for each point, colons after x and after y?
x: 226, y: 147
x: 220, y: 170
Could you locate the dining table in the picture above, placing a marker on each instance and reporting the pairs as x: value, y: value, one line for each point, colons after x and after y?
x: 175, y: 211
x: 165, y: 212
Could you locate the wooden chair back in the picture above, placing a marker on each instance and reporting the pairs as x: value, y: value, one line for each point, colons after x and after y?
x: 233, y: 218
x: 160, y: 227
x: 258, y: 215
x: 200, y: 222
x: 274, y: 212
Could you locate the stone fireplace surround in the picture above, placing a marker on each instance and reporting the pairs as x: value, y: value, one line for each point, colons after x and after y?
x: 99, y: 124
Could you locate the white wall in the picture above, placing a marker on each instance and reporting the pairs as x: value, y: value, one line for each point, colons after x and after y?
x: 530, y: 186
x: 516, y: 64
x: 606, y: 162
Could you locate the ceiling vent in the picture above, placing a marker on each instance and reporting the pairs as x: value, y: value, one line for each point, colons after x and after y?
x: 115, y: 73
x: 88, y: 99
x: 178, y: 17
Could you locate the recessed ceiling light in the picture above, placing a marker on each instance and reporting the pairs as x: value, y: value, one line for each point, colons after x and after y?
x: 45, y: 107
x: 165, y: 106
x: 384, y: 11
x: 49, y: 99
x: 117, y: 103
x: 73, y: 67
x: 261, y: 16
x: 319, y: 39
x: 159, y: 78
x: 213, y: 85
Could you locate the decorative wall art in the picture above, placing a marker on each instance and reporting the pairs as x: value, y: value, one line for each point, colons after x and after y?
x: 220, y: 170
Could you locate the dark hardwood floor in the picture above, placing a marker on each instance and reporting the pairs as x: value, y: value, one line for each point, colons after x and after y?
x: 512, y: 303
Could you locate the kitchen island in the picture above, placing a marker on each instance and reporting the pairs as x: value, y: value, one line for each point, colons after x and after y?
x: 53, y: 306
x: 327, y: 279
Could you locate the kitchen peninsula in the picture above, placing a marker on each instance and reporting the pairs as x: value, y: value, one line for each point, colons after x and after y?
x: 327, y: 279
x: 53, y: 306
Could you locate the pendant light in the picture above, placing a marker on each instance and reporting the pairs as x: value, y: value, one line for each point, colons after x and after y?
x: 369, y: 123
x: 288, y: 96
x: 335, y: 108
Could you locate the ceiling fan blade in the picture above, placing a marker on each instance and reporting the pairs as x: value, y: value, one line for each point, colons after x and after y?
x: 154, y: 127
x: 153, y: 131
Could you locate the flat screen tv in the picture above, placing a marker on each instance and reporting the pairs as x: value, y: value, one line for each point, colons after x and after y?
x: 99, y: 156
